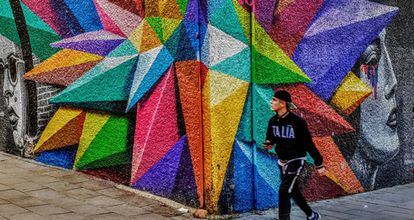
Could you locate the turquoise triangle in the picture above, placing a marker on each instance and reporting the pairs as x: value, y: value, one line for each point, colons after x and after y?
x: 237, y: 66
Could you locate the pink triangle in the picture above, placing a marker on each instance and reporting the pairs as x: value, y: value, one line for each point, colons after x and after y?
x: 156, y: 126
x: 107, y: 22
x: 121, y: 18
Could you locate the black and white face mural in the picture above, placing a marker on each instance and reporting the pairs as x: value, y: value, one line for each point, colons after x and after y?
x: 6, y: 85
x: 14, y: 95
x: 378, y: 140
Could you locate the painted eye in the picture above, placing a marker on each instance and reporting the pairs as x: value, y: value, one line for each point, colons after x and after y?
x: 371, y: 56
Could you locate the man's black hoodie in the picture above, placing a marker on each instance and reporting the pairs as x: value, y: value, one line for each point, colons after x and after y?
x: 291, y: 135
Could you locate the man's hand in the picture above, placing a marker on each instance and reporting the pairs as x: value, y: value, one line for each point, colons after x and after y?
x: 322, y: 171
x: 267, y: 145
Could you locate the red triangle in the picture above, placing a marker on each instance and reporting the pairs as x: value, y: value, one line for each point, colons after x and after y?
x: 322, y: 119
x: 128, y: 5
x: 204, y: 71
x: 290, y: 24
x: 337, y: 166
x: 140, y: 8
x: 156, y: 126
x: 320, y: 187
x: 188, y: 75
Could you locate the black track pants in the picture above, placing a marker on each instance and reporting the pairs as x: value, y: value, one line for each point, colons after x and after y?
x: 289, y: 188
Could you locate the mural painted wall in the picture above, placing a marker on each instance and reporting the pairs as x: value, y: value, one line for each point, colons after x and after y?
x: 172, y: 97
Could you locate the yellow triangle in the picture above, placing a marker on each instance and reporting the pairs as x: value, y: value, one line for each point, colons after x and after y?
x: 221, y: 86
x: 168, y: 27
x: 350, y: 93
x: 136, y: 35
x: 266, y: 46
x: 94, y: 122
x: 62, y: 130
x: 64, y: 58
x: 150, y: 39
x: 220, y: 124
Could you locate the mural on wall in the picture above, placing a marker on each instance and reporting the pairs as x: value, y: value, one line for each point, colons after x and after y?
x: 172, y: 97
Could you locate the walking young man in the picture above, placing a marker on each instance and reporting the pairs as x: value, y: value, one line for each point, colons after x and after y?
x: 292, y: 138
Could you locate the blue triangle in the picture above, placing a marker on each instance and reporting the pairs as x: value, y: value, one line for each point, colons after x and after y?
x: 244, y: 131
x: 85, y: 13
x: 180, y: 45
x: 158, y: 68
x: 267, y: 179
x: 243, y: 177
x: 63, y: 157
x: 266, y: 196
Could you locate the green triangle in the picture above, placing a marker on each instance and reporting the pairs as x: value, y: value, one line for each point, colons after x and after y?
x: 263, y: 44
x: 267, y: 71
x: 168, y: 27
x: 237, y: 65
x: 109, y: 147
x: 262, y: 113
x: 183, y: 6
x: 225, y: 18
x: 126, y: 48
x: 40, y: 34
x: 10, y: 32
x: 108, y: 85
x: 156, y: 24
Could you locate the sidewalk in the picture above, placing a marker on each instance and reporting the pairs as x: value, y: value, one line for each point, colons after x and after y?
x: 395, y: 203
x: 29, y: 190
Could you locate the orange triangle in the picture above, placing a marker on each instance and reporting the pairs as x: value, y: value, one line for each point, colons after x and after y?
x: 338, y: 168
x: 169, y: 9
x: 188, y: 75
x: 150, y: 39
x: 151, y: 8
x: 64, y: 129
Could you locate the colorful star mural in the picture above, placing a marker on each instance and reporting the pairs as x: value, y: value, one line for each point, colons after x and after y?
x: 179, y: 89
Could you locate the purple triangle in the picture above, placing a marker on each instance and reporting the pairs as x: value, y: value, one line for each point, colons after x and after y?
x: 161, y: 177
x: 99, y: 47
x: 195, y: 13
x: 185, y: 190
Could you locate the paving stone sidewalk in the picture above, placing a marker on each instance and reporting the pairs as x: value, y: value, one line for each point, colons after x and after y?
x: 394, y: 203
x: 29, y: 190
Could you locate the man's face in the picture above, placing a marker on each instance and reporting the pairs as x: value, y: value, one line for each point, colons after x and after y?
x: 277, y: 104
